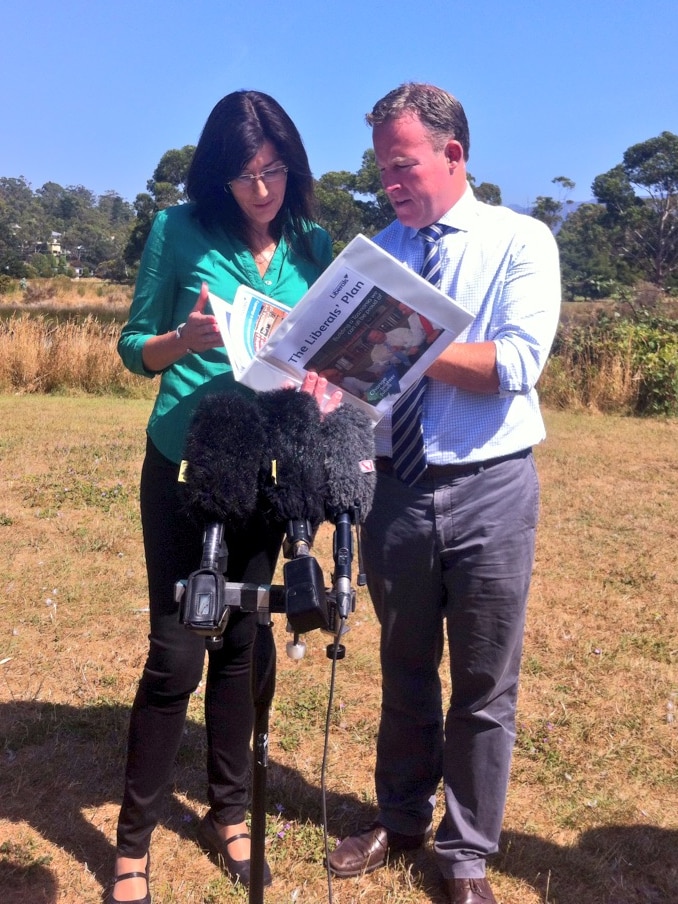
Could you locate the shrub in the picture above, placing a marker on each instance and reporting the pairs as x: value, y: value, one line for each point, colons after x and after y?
x: 616, y: 364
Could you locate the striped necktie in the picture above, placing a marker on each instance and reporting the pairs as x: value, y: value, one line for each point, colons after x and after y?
x: 407, y: 436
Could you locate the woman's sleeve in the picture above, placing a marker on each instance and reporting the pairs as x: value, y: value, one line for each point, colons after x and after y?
x: 153, y: 304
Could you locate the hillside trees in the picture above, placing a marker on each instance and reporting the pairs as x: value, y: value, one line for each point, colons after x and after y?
x: 22, y: 225
x: 89, y: 230
x: 629, y: 234
x: 165, y: 188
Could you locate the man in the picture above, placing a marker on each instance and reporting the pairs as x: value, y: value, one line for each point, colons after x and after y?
x: 397, y: 344
x: 388, y: 350
x: 457, y: 546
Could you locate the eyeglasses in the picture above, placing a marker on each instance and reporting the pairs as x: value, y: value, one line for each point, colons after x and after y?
x: 269, y: 177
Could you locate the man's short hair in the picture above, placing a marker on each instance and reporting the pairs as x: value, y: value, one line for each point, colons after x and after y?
x: 439, y: 111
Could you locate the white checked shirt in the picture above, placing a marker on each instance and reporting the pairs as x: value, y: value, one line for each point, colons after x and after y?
x: 503, y: 268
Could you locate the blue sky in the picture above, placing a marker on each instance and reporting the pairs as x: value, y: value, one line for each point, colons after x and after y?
x: 94, y: 93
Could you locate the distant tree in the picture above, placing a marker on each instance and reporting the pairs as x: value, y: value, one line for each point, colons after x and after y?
x: 589, y: 265
x: 42, y: 265
x: 552, y: 211
x: 115, y: 209
x: 373, y: 203
x: 17, y: 195
x: 487, y: 192
x: 645, y: 225
x: 168, y: 185
x: 173, y: 170
x: 145, y: 208
x: 336, y: 208
x: 24, y: 224
x: 11, y: 258
x: 16, y: 198
x: 166, y: 188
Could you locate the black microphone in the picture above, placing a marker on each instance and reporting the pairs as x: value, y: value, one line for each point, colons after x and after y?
x: 223, y: 458
x: 296, y: 484
x: 224, y: 455
x: 348, y: 441
x: 294, y: 495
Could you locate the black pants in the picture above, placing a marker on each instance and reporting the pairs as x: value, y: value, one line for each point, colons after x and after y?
x: 173, y: 546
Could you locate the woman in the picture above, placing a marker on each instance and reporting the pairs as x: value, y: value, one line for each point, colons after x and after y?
x: 249, y: 221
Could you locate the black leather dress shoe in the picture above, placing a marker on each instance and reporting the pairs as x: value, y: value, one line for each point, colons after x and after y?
x: 470, y: 891
x: 210, y: 841
x: 369, y: 849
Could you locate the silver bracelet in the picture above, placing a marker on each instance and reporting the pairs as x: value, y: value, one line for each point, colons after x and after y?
x: 178, y: 332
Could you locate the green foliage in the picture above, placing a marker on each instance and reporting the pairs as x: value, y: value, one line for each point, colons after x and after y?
x: 88, y: 229
x: 336, y: 208
x: 7, y: 284
x: 655, y: 346
x: 552, y: 211
x: 589, y: 266
x: 642, y: 352
x: 487, y: 192
x: 630, y: 235
x: 173, y: 169
x: 644, y: 228
x: 165, y: 189
x: 349, y: 203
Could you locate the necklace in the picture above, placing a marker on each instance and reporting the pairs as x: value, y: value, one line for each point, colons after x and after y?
x: 264, y: 257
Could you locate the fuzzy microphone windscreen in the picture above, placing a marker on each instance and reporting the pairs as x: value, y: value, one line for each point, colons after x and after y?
x: 295, y: 489
x: 224, y: 452
x: 348, y: 442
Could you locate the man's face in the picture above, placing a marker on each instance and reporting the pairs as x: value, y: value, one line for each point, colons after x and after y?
x: 418, y: 180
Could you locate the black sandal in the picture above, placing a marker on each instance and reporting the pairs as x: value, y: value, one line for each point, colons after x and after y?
x: 134, y: 875
x: 238, y: 870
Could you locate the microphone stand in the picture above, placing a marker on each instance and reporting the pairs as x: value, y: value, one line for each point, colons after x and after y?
x: 207, y: 597
x: 302, y: 603
x: 206, y: 600
x: 263, y: 689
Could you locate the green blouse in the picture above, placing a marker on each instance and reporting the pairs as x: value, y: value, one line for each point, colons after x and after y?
x: 179, y: 256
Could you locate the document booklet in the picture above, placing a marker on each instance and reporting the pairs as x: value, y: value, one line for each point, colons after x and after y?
x: 369, y: 324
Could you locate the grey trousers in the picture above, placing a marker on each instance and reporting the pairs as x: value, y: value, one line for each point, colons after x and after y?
x: 458, y: 552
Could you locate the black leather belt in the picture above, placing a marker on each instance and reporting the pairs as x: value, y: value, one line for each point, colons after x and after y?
x: 449, y: 472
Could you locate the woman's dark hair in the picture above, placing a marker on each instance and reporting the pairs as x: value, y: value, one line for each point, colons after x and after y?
x: 234, y: 132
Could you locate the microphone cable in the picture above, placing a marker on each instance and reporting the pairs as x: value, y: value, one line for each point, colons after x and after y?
x: 336, y: 648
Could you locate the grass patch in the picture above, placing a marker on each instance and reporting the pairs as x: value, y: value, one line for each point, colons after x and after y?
x: 594, y: 794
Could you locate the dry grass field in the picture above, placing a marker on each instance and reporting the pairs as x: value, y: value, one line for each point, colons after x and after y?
x: 593, y: 806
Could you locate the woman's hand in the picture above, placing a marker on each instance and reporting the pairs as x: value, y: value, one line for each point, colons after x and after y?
x: 198, y: 334
x: 201, y: 332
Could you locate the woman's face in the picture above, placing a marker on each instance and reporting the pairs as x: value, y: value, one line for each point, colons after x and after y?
x: 261, y: 199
